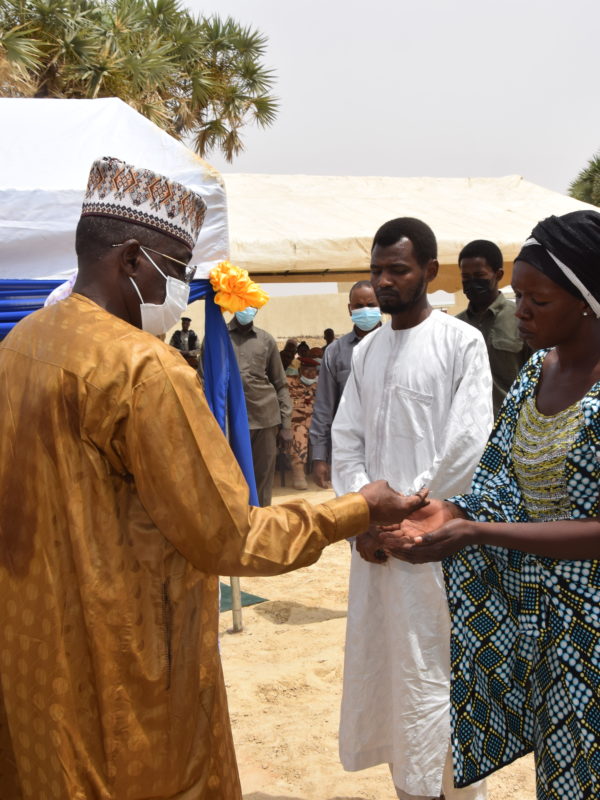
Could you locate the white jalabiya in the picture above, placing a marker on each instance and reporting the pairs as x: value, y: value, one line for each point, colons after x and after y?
x: 416, y: 410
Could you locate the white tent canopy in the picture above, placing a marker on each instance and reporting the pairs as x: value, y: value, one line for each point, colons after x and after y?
x: 47, y: 149
x: 283, y: 227
x: 322, y: 226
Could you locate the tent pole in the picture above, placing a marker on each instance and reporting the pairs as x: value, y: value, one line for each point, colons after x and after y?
x: 236, y: 605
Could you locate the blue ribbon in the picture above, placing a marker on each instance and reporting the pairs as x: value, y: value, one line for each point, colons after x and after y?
x: 222, y: 381
x: 20, y: 298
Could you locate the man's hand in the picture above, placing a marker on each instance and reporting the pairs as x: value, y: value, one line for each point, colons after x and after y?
x: 369, y: 547
x: 284, y: 440
x: 387, y: 507
x: 395, y: 540
x: 321, y: 473
x: 410, y: 543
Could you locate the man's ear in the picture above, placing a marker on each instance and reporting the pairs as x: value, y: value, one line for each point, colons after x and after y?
x: 499, y: 275
x: 129, y: 257
x: 349, y: 309
x: 432, y: 268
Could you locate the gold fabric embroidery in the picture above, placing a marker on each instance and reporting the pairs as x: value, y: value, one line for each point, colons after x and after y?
x: 540, y: 449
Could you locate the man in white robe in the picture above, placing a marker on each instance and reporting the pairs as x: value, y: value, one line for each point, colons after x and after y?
x: 416, y: 410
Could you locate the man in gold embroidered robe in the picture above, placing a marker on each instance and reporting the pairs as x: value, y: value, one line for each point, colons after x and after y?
x: 110, y: 679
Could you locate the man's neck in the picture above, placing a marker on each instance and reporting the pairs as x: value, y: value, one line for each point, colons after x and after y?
x: 360, y: 334
x: 244, y: 328
x: 483, y: 305
x: 412, y: 316
x: 97, y: 293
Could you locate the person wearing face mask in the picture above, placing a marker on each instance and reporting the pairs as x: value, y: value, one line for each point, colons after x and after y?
x: 267, y: 397
x: 366, y: 317
x: 302, y: 391
x: 481, y: 269
x: 120, y: 505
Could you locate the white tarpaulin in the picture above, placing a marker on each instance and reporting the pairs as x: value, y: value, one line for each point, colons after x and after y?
x: 325, y: 224
x: 47, y: 149
x: 278, y: 224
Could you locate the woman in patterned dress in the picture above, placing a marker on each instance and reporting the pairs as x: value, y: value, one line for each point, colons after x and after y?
x: 522, y: 550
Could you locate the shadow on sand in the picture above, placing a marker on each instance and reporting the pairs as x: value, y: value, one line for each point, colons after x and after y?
x: 262, y: 796
x: 285, y: 611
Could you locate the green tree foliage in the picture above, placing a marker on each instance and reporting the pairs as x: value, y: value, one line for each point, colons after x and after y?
x: 201, y: 79
x: 586, y: 185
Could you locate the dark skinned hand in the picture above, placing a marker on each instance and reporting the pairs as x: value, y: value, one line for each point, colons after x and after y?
x: 284, y: 440
x: 368, y: 544
x: 386, y: 506
x: 411, y: 544
x: 426, y: 519
x: 321, y: 473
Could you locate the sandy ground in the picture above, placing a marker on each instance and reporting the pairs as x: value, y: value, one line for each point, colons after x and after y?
x: 284, y: 677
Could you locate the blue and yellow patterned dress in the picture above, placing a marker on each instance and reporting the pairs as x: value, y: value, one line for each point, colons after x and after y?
x: 525, y: 642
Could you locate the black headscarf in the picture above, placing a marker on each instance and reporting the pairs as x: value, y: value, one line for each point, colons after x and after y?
x: 574, y: 239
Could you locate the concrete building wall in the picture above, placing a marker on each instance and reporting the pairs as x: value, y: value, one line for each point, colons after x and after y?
x: 301, y: 316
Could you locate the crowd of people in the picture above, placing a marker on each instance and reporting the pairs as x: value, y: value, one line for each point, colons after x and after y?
x: 465, y: 456
x: 121, y: 504
x: 316, y: 376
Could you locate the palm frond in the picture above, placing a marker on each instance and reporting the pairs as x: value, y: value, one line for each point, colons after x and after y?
x: 21, y: 49
x: 264, y: 111
x: 586, y: 186
x: 196, y: 77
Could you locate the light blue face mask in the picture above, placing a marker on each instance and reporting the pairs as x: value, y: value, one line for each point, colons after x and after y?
x: 366, y: 318
x: 308, y: 381
x: 246, y: 316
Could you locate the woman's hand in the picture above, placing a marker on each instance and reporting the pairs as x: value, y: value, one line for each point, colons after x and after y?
x: 435, y: 514
x: 423, y: 520
x: 411, y: 542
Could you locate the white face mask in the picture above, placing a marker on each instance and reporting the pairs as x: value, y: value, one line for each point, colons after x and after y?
x: 158, y: 318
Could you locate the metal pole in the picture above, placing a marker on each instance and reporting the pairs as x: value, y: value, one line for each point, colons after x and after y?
x: 236, y: 605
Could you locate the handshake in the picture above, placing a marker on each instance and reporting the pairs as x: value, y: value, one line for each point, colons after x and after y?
x: 411, y: 527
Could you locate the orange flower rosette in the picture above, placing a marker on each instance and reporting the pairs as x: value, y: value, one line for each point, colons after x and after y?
x: 234, y: 289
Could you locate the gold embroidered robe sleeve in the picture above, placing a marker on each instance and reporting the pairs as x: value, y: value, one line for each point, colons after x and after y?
x: 210, y: 522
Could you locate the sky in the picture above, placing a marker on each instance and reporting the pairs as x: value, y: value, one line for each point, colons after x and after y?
x: 425, y: 88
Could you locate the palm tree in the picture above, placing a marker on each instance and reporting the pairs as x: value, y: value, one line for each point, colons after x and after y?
x: 586, y: 185
x: 200, y: 79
